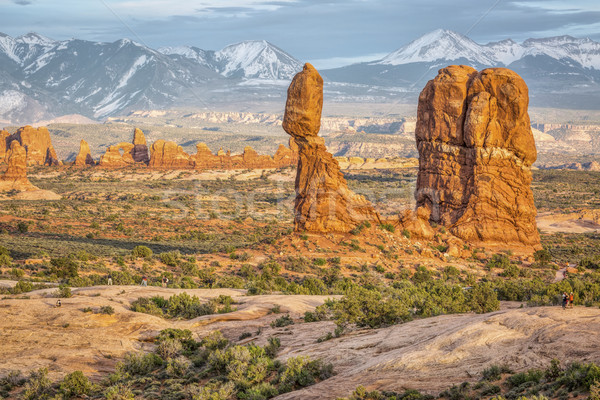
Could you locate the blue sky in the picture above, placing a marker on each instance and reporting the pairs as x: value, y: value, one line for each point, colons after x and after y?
x: 325, y: 32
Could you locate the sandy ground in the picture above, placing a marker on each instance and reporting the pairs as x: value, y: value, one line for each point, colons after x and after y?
x: 429, y: 354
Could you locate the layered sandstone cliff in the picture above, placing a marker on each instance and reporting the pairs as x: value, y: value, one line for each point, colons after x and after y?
x: 4, y: 145
x: 323, y: 201
x: 475, y: 155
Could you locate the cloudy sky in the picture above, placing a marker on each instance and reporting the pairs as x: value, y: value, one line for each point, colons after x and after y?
x: 325, y: 32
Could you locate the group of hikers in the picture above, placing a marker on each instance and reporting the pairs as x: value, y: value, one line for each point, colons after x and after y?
x: 567, y: 300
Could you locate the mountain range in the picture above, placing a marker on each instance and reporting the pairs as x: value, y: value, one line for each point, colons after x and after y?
x: 41, y: 78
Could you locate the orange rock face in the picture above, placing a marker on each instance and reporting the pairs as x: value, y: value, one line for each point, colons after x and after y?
x: 323, y: 201
x: 84, y: 156
x: 4, y: 145
x: 249, y: 159
x: 37, y: 144
x: 139, y: 153
x: 475, y: 155
x: 15, y: 177
x: 117, y: 156
x: 169, y: 155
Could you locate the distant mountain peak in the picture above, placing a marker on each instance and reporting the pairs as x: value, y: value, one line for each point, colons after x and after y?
x: 33, y: 38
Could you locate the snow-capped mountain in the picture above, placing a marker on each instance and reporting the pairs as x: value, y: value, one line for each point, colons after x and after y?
x: 41, y: 78
x: 252, y: 59
x: 448, y: 46
x: 561, y: 71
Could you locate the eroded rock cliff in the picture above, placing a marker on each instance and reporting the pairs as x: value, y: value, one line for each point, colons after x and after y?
x: 475, y: 155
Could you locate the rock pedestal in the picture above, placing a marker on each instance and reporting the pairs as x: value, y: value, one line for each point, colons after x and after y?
x: 84, y: 156
x: 475, y: 155
x: 15, y: 177
x: 323, y: 201
x: 139, y: 153
x: 169, y: 155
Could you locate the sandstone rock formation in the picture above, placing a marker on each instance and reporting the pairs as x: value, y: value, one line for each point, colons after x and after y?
x: 15, y: 177
x: 37, y: 144
x: 323, y: 201
x: 140, y: 148
x: 84, y: 156
x: 476, y: 149
x: 117, y: 156
x: 4, y: 145
x: 168, y: 155
x: 204, y: 159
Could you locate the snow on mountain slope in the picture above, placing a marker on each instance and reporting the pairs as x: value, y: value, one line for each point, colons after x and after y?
x: 202, y: 57
x: 440, y: 44
x: 449, y: 46
x: 256, y: 59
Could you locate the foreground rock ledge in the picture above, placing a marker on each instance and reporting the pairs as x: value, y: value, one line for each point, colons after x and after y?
x: 323, y: 201
x: 475, y: 155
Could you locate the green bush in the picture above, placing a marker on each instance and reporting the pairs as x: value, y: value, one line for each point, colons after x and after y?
x: 75, y: 384
x: 38, y: 385
x: 63, y: 292
x: 139, y: 364
x: 282, y: 321
x: 170, y: 258
x: 107, y: 310
x: 64, y: 267
x: 388, y: 227
x: 142, y: 252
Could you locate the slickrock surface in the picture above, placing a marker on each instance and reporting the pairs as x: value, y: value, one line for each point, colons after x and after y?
x: 168, y: 155
x: 323, y: 201
x: 139, y: 153
x: 84, y: 156
x: 37, y: 144
x: 476, y: 149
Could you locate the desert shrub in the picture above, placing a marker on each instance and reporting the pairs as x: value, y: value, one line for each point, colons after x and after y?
x: 75, y: 384
x: 23, y: 227
x: 214, y: 391
x: 119, y: 392
x: 183, y: 336
x: 170, y: 258
x: 142, y: 252
x: 272, y: 348
x: 542, y: 257
x: 388, y: 227
x: 37, y: 386
x: 64, y: 267
x: 494, y: 372
x: 421, y: 275
x: 498, y: 261
x: 64, y: 292
x: 5, y: 260
x: 482, y: 298
x: 139, y: 364
x: 22, y: 287
x: 302, y: 371
x: 580, y: 376
x: 282, y: 321
x: 182, y: 306
x: 533, y: 375
x: 109, y: 310
x: 214, y: 341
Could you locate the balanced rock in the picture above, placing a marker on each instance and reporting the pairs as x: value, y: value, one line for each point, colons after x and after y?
x: 15, y: 177
x: 37, y: 144
x: 139, y: 153
x: 475, y: 154
x: 84, y: 157
x: 323, y: 201
x: 168, y: 155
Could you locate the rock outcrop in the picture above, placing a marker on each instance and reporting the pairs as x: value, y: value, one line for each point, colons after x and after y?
x: 140, y: 148
x: 4, y: 145
x: 204, y: 159
x: 475, y: 152
x: 15, y: 177
x: 37, y: 144
x: 117, y: 156
x: 169, y: 155
x: 323, y: 201
x: 84, y: 157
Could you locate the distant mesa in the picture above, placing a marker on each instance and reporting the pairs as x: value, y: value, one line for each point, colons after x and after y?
x: 476, y: 149
x: 323, y: 201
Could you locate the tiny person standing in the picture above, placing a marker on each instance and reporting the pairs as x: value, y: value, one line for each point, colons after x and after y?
x: 109, y: 280
x: 144, y: 281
